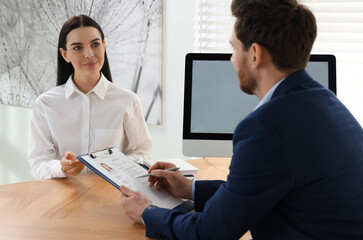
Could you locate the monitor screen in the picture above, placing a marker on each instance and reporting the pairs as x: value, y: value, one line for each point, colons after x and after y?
x: 214, y: 103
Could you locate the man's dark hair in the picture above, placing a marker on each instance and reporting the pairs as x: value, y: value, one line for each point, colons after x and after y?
x: 64, y: 69
x: 285, y: 28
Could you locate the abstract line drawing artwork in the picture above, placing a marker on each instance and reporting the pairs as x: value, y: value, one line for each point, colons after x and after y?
x: 29, y: 31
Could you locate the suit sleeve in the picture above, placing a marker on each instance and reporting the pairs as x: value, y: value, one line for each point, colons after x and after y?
x: 260, y: 175
x: 204, y: 190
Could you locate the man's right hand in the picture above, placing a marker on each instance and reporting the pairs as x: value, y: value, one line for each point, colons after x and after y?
x: 173, y: 181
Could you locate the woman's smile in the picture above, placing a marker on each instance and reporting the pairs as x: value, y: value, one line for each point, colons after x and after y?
x: 90, y: 64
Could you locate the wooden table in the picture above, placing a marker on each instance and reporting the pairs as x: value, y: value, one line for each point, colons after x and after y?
x: 81, y: 207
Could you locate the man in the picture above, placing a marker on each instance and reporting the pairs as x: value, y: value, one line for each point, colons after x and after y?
x: 297, y: 167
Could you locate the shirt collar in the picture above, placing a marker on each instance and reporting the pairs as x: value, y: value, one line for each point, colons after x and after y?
x: 269, y: 94
x: 100, y: 89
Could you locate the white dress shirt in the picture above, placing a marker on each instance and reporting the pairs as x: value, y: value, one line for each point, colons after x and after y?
x: 65, y: 119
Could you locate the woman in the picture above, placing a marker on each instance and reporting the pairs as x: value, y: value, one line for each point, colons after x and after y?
x: 85, y: 112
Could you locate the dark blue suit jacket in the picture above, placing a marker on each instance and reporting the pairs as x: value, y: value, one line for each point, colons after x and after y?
x: 296, y: 173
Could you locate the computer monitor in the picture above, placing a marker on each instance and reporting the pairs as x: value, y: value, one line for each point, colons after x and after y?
x: 214, y: 103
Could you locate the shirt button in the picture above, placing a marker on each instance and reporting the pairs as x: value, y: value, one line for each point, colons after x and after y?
x: 85, y: 118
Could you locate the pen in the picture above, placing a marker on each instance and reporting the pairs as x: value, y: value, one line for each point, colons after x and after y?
x: 169, y: 169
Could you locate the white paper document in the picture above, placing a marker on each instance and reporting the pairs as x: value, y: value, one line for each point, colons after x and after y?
x: 119, y: 170
x: 185, y: 167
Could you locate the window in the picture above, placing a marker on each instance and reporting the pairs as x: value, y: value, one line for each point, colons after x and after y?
x: 340, y: 32
x: 213, y: 25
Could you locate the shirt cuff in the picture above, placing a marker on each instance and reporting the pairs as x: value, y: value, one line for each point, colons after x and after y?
x: 193, y: 189
x: 57, y: 171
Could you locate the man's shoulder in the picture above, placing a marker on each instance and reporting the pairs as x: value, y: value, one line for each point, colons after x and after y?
x: 287, y: 107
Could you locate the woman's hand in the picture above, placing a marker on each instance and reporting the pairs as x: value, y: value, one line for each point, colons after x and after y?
x: 71, y: 165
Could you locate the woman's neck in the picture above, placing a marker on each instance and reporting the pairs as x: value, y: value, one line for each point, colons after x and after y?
x: 85, y: 83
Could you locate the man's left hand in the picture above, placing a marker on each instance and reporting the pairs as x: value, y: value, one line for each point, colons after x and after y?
x: 134, y: 203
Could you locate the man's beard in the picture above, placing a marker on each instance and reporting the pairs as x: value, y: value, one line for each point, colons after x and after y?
x: 248, y: 83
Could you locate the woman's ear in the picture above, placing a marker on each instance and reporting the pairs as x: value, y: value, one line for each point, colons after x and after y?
x: 64, y: 55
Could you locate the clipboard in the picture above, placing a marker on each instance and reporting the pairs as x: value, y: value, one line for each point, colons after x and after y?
x: 90, y: 166
x: 118, y: 169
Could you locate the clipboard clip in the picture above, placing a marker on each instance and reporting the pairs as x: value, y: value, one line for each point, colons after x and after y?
x: 94, y: 154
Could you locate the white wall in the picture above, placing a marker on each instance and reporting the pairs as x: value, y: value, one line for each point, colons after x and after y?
x: 177, y: 41
x: 14, y: 135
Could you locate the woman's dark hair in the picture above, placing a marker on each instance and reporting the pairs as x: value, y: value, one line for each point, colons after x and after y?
x: 285, y: 28
x: 64, y: 69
